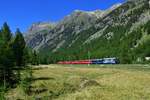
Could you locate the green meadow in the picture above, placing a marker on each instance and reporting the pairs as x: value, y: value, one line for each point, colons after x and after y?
x: 86, y: 82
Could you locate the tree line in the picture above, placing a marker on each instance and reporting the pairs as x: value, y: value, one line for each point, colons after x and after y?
x: 14, y: 57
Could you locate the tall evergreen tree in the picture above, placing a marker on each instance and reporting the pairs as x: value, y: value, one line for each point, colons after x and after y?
x: 1, y: 40
x: 6, y: 33
x: 18, y: 48
x: 6, y: 55
x: 35, y: 59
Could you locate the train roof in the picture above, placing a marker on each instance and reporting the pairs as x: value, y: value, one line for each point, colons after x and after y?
x: 110, y: 58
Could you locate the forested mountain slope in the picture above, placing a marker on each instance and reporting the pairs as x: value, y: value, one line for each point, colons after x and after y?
x: 122, y: 31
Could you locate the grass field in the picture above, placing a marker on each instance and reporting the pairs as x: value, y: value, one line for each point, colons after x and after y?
x: 83, y: 82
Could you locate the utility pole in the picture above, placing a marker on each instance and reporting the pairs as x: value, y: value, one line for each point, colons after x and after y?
x: 89, y: 56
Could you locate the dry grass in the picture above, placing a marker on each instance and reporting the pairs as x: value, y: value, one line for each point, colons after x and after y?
x: 80, y: 82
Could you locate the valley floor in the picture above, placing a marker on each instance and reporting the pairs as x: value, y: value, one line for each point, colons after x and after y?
x: 83, y: 82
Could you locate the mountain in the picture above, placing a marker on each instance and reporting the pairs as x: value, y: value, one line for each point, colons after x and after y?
x: 119, y: 31
x: 41, y: 35
x: 37, y: 32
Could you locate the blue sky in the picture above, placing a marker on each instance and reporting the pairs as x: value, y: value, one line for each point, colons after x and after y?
x: 22, y: 13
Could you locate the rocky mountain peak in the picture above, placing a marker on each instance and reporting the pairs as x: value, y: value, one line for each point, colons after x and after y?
x: 115, y: 6
x: 40, y: 26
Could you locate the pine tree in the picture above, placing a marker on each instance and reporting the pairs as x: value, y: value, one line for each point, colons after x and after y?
x: 1, y: 40
x: 18, y: 48
x: 6, y: 56
x: 6, y: 33
x: 35, y: 59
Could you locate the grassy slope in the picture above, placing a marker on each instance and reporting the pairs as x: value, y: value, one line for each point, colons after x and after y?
x: 82, y: 82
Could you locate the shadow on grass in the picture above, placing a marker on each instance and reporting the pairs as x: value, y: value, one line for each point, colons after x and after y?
x: 38, y: 91
x: 39, y: 68
x: 43, y: 78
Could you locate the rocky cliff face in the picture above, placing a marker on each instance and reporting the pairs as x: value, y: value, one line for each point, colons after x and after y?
x: 82, y: 29
x: 53, y: 36
x: 37, y: 32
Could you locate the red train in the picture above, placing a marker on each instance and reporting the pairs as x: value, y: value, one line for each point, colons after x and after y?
x: 75, y: 62
x: 93, y: 61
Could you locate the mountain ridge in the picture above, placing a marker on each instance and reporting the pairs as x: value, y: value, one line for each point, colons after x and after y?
x: 36, y: 30
x: 118, y: 27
